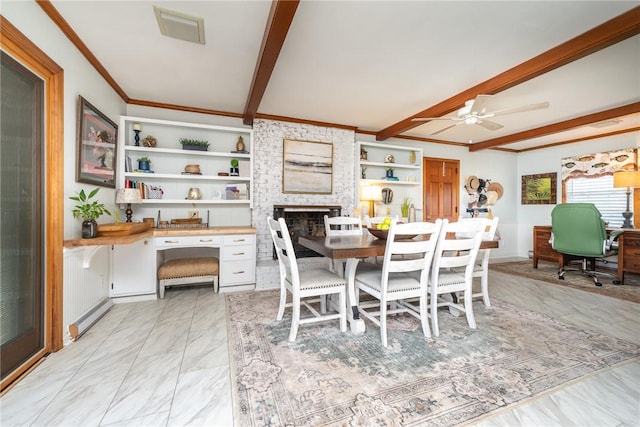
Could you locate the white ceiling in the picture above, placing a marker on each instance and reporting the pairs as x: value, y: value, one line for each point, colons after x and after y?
x: 368, y: 64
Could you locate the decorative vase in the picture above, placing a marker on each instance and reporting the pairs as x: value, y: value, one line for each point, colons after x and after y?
x: 412, y: 157
x: 389, y: 173
x: 143, y: 165
x: 89, y: 229
x: 240, y: 144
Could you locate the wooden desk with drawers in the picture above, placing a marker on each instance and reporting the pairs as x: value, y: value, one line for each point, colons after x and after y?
x: 628, y: 250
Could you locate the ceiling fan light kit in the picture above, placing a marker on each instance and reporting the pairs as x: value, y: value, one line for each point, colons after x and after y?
x: 475, y: 112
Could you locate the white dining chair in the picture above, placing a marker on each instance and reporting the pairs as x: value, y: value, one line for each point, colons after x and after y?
x: 341, y: 226
x: 458, y: 246
x: 397, y: 280
x: 307, y: 286
x: 481, y: 267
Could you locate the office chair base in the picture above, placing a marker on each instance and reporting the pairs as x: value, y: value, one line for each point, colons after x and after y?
x: 590, y: 273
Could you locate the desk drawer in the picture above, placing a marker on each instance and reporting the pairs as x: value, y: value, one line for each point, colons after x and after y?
x: 235, y: 272
x: 167, y: 242
x: 239, y: 239
x: 237, y: 253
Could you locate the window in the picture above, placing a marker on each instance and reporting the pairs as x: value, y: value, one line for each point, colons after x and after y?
x: 610, y: 201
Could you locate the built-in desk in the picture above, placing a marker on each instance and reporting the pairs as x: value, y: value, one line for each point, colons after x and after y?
x: 136, y: 257
x: 628, y: 250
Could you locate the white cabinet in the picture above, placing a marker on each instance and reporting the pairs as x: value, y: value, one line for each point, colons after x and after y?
x: 134, y: 269
x: 237, y: 261
x: 167, y: 182
x: 406, y: 162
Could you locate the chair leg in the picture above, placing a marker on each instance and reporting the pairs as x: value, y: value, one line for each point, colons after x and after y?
x: 383, y: 322
x: 434, y: 315
x: 161, y: 289
x: 295, y: 319
x: 484, y: 283
x: 343, y: 310
x: 283, y: 302
x: 424, y: 316
x: 468, y: 308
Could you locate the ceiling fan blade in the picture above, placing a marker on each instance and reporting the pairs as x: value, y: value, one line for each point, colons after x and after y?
x: 446, y: 128
x: 529, y: 107
x: 427, y: 119
x: 489, y: 124
x: 479, y: 103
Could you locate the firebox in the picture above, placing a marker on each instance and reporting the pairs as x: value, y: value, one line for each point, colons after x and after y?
x: 304, y: 221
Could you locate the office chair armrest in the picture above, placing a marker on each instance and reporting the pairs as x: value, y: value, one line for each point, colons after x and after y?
x: 612, y: 241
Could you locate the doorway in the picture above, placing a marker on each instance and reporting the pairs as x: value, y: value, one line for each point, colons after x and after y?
x: 441, y: 188
x: 31, y: 202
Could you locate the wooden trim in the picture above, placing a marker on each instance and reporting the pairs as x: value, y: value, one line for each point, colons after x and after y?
x: 23, y: 50
x: 581, y: 139
x: 280, y: 18
x: 64, y: 26
x: 607, y: 34
x: 559, y: 126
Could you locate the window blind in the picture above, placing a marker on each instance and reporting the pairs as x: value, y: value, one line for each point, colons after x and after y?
x: 610, y: 201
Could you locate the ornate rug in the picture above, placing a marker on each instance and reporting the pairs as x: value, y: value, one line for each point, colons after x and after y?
x: 329, y: 378
x: 548, y: 272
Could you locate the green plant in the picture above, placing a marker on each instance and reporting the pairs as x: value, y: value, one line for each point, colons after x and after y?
x: 144, y: 159
x: 388, y: 169
x: 196, y: 142
x: 87, y: 209
x: 234, y: 163
x: 404, y: 208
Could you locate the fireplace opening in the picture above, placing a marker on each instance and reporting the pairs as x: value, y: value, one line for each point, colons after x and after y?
x: 304, y: 221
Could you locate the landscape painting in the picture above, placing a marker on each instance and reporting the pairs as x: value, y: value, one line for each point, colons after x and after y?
x: 307, y: 167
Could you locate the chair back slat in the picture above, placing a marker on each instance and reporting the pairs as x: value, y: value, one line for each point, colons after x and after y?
x: 342, y: 226
x: 284, y: 249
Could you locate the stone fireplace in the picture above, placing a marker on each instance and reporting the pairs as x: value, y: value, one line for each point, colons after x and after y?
x: 304, y: 221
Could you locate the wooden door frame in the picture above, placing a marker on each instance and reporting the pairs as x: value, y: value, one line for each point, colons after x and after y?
x: 18, y: 46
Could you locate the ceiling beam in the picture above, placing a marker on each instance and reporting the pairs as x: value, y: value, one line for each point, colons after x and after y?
x: 275, y: 33
x: 559, y: 126
x: 607, y: 34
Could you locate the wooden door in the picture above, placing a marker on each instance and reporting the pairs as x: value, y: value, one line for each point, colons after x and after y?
x: 441, y: 189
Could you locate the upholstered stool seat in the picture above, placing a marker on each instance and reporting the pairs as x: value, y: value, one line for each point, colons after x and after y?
x: 188, y: 271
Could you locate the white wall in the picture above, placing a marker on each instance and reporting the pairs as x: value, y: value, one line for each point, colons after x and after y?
x: 80, y: 78
x: 549, y: 160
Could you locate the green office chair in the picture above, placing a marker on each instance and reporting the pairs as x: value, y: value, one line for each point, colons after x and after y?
x: 577, y: 229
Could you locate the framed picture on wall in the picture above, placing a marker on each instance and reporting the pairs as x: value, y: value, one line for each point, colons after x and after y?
x: 539, y: 189
x: 96, y: 150
x: 307, y: 167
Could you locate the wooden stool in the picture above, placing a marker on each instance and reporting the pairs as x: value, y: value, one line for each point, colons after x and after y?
x: 188, y: 271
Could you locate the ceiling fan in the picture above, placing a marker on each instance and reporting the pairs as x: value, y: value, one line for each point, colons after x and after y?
x: 475, y: 113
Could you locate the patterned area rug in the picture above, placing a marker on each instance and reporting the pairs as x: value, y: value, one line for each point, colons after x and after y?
x: 329, y: 378
x: 548, y: 272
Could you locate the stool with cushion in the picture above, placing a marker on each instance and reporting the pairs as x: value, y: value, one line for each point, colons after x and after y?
x: 188, y: 271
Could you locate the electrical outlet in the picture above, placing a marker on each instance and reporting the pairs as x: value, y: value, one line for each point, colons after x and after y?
x: 193, y: 214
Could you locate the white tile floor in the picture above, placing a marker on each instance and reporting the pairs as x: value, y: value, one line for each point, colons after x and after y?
x: 166, y: 363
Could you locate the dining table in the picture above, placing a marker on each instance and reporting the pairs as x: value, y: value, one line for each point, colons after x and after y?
x: 352, y: 249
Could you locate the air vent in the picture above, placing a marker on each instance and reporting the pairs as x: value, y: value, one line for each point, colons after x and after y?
x: 179, y: 25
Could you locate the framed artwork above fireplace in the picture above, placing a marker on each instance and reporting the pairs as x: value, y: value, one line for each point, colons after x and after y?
x: 307, y: 167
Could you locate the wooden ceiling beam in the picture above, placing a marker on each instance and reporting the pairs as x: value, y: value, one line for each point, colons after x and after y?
x: 607, y: 34
x: 280, y: 18
x: 559, y: 126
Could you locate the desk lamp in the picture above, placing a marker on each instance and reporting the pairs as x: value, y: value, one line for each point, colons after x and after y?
x: 128, y: 196
x: 371, y: 194
x: 628, y: 179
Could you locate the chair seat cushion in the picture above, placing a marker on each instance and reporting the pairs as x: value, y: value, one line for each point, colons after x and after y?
x: 450, y: 278
x: 398, y: 282
x: 317, y: 278
x: 188, y: 267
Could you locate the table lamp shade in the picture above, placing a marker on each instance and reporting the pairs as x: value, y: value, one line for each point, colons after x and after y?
x: 626, y: 179
x: 371, y: 193
x: 128, y: 195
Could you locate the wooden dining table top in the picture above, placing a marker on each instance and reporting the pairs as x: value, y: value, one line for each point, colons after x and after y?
x: 345, y: 247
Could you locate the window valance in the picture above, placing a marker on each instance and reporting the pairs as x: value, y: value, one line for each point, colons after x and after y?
x: 599, y: 164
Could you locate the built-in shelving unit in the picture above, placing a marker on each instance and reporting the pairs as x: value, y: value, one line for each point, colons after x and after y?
x: 371, y: 169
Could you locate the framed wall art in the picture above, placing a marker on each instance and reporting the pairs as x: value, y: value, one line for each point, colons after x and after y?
x: 539, y: 189
x: 96, y: 151
x: 307, y: 167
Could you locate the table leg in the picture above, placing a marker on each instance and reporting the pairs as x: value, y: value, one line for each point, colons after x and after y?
x: 357, y: 324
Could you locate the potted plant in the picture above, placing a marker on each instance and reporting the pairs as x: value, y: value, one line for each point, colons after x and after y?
x: 404, y: 207
x: 143, y: 164
x: 194, y: 144
x: 89, y: 210
x: 389, y: 172
x: 234, y: 171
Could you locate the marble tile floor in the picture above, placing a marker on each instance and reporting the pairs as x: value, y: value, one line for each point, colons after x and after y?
x: 166, y: 363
